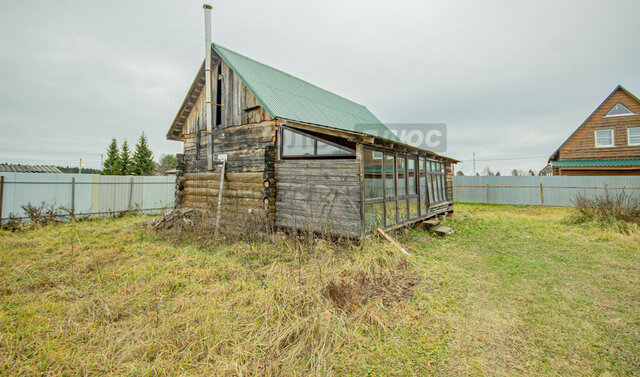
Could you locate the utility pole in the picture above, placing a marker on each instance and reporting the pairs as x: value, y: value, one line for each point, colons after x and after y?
x: 101, y: 161
x: 80, y: 168
x: 474, y: 163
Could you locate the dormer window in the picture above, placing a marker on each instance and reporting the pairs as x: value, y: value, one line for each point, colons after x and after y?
x: 604, y: 138
x: 619, y: 110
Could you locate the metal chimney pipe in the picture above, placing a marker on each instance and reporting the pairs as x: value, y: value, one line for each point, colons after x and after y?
x: 207, y: 75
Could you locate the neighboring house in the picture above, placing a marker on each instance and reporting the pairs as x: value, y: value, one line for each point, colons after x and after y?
x: 18, y: 168
x: 546, y: 171
x: 299, y: 155
x: 606, y: 143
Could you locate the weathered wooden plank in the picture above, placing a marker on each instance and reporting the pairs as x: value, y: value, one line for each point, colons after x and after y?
x: 330, y: 180
x: 249, y: 186
x: 309, y: 193
x: 317, y: 164
x: 231, y: 177
x: 213, y: 192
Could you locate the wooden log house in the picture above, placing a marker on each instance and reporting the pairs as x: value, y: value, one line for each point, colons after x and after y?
x: 299, y: 155
x: 606, y: 143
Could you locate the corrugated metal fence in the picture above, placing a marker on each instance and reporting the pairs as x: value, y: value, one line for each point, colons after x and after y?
x: 548, y: 191
x: 85, y: 194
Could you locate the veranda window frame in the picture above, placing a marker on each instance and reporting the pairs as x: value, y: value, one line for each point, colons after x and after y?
x: 398, y: 198
x: 351, y: 153
x: 438, y: 179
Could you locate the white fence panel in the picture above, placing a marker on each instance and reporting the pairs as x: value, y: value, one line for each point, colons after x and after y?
x: 548, y: 191
x: 90, y: 194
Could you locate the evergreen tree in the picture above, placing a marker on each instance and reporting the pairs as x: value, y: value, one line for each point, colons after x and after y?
x: 167, y: 162
x: 112, y: 165
x: 143, y: 157
x: 126, y: 163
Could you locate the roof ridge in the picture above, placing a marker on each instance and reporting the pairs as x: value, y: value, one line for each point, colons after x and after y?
x: 287, y: 74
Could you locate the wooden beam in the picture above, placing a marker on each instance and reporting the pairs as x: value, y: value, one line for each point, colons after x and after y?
x: 393, y: 242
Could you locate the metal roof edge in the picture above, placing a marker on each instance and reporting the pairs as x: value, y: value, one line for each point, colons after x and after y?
x: 598, y: 162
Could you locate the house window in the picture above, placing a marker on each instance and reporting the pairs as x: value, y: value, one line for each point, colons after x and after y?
x: 619, y: 110
x: 633, y: 136
x: 604, y: 138
x: 298, y: 144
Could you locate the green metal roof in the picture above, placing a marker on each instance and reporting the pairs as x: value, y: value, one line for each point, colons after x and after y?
x: 288, y: 97
x: 597, y: 163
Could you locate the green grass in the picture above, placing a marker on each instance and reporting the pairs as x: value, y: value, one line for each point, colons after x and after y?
x: 515, y: 291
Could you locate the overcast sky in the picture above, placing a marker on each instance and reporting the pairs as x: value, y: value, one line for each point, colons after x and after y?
x: 511, y: 79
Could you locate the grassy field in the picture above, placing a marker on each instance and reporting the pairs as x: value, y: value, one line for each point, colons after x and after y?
x: 515, y: 291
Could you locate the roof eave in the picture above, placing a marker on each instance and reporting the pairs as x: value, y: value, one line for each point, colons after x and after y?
x: 176, y: 125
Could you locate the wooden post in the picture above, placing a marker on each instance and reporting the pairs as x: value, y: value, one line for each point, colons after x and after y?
x: 487, y: 186
x: 1, y: 196
x: 73, y: 196
x: 130, y: 194
x: 541, y: 194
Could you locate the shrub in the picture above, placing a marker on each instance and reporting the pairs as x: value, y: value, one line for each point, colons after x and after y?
x: 608, y: 209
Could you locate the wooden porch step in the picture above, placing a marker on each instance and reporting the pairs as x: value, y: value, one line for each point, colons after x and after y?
x: 443, y: 230
x: 431, y: 222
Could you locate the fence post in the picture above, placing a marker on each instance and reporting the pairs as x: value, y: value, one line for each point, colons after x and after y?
x: 73, y: 197
x: 130, y: 194
x: 606, y: 190
x: 487, y: 186
x: 1, y: 196
x: 541, y: 194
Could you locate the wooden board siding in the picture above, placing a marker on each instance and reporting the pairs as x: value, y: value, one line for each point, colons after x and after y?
x: 194, y: 136
x: 245, y: 131
x: 582, y: 144
x: 323, y: 195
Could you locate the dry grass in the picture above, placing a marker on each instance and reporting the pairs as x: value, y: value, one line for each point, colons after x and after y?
x: 515, y: 291
x: 619, y: 211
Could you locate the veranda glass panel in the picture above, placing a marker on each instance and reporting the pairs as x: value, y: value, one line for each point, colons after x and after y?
x: 439, y: 180
x: 373, y: 188
x: 413, y: 208
x: 423, y: 185
x: 294, y: 144
x: 444, y: 187
x: 389, y: 179
x: 390, y: 207
x: 411, y: 175
x: 402, y: 176
x: 431, y: 188
x: 326, y: 149
x: 402, y: 210
x: 373, y: 215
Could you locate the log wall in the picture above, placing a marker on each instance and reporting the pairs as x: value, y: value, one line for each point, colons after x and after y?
x: 322, y: 195
x: 243, y: 193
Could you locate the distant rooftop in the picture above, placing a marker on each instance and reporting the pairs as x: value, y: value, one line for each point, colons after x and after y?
x: 18, y: 168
